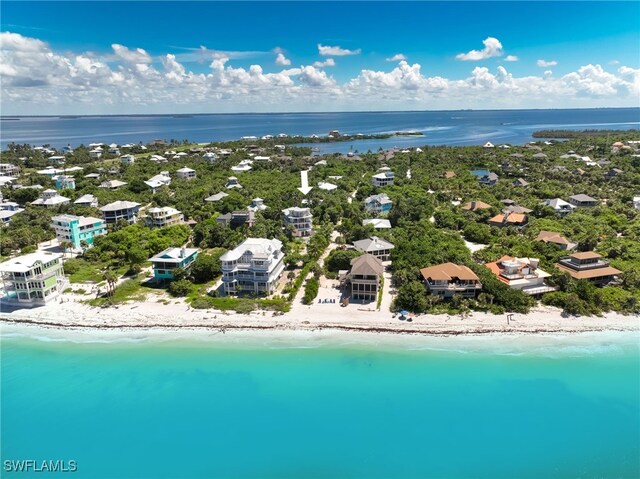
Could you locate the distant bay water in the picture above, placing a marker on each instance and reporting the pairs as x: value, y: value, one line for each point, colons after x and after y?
x: 467, y: 127
x: 194, y: 409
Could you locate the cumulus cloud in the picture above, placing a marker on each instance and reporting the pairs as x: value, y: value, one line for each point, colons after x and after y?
x: 336, y: 51
x: 492, y: 48
x: 329, y: 62
x: 282, y: 60
x: 396, y: 58
x: 37, y: 79
x: 511, y: 58
x: 546, y: 64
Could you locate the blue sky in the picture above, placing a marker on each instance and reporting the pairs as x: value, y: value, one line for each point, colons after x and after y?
x: 553, y: 37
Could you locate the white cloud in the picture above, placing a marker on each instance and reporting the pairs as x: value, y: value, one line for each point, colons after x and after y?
x: 492, y: 48
x: 282, y: 60
x: 37, y: 79
x: 336, y: 51
x: 396, y: 58
x: 329, y: 62
x: 511, y: 58
x: 614, y: 62
x: 137, y: 56
x: 546, y: 64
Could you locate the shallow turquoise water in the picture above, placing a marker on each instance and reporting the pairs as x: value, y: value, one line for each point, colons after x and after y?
x: 176, y: 409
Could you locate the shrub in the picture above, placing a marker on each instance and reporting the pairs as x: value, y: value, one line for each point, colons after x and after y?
x: 311, y: 290
x: 180, y: 287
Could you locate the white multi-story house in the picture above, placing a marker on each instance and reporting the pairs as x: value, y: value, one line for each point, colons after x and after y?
x: 33, y: 279
x: 232, y: 182
x: 77, y: 229
x: 158, y: 181
x: 254, y: 266
x: 257, y: 204
x: 50, y: 199
x: 186, y: 173
x: 7, y: 169
x: 166, y: 216
x: 210, y: 156
x: 299, y: 219
x: 96, y: 152
x: 384, y: 178
x: 522, y: 274
x: 128, y: 159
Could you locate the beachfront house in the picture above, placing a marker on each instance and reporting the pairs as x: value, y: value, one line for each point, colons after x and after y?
x: 378, y: 204
x: 235, y: 219
x: 232, y: 183
x: 165, y: 216
x: 186, y: 173
x: 112, y: 184
x: 364, y: 278
x: 555, y: 238
x: 215, y: 198
x: 508, y: 219
x: 521, y: 273
x: 120, y: 210
x: 298, y: 220
x: 171, y: 258
x: 50, y: 199
x: 561, y: 207
x: 257, y: 204
x: 384, y: 178
x: 583, y: 201
x: 378, y: 247
x: 588, y: 265
x: 476, y: 206
x: 253, y: 267
x: 33, y: 279
x: 87, y: 200
x: 64, y: 182
x: 447, y: 279
x: 77, y: 229
x: 127, y: 159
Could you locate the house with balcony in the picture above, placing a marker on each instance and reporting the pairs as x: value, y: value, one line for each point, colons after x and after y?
x: 555, y: 238
x: 186, y: 173
x: 127, y: 159
x: 384, y: 178
x: 158, y: 181
x: 165, y: 216
x: 232, y: 183
x: 254, y: 266
x: 583, y: 201
x: 364, y: 278
x: 77, y: 229
x: 33, y: 279
x: 523, y: 274
x: 7, y: 169
x: 171, y: 258
x: 64, y: 182
x: 235, y: 219
x: 447, y: 279
x: 298, y: 220
x: 120, y: 210
x: 561, y: 207
x: 378, y: 247
x: 96, y: 152
x: 588, y: 265
x: 378, y: 204
x: 50, y: 199
x: 8, y: 209
x: 87, y: 200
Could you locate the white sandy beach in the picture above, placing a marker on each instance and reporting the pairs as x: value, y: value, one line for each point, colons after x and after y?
x: 317, y: 317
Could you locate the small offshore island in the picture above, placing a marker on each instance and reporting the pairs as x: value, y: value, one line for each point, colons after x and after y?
x: 262, y: 233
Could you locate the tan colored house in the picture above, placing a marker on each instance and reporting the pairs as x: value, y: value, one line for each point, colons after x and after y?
x: 555, y: 238
x: 449, y: 174
x: 588, y: 265
x: 475, y: 206
x: 508, y: 219
x: 365, y: 274
x: 448, y: 279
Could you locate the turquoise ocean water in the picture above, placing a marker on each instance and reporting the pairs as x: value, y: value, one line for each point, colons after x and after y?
x: 183, y: 409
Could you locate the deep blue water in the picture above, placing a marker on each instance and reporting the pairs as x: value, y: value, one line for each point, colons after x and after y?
x: 439, y: 127
x: 196, y: 410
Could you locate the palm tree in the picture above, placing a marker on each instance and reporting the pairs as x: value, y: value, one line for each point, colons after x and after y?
x: 65, y: 245
x: 84, y: 245
x: 111, y: 278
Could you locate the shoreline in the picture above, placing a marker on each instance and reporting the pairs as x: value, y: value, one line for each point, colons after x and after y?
x: 178, y: 319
